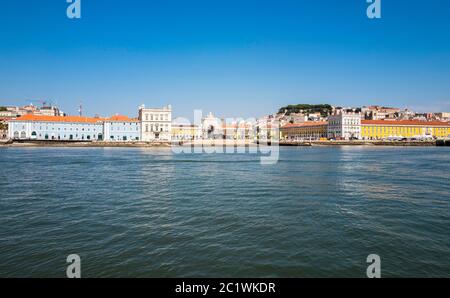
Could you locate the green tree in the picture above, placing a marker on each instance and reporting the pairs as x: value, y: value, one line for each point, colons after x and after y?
x: 323, y: 109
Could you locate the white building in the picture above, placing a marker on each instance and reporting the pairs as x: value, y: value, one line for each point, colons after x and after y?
x: 121, y: 128
x: 72, y: 128
x: 156, y: 123
x: 344, y: 125
x: 212, y: 127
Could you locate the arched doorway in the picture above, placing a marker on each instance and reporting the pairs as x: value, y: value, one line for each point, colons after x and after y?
x: 16, y: 135
x: 23, y: 135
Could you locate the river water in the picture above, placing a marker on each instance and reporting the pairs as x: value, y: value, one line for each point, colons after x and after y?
x: 135, y: 212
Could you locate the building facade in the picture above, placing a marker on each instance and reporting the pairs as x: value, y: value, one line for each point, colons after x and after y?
x: 186, y: 132
x: 156, y: 124
x: 72, y: 128
x: 239, y: 131
x: 212, y: 127
x: 121, y: 128
x: 384, y: 129
x: 345, y: 126
x: 304, y: 131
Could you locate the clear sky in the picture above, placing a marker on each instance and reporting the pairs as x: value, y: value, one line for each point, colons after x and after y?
x: 239, y: 58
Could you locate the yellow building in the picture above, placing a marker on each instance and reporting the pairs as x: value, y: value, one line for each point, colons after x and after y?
x: 383, y: 129
x: 181, y: 132
x: 304, y: 131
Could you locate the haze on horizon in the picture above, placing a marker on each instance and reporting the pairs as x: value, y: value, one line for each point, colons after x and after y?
x: 234, y: 58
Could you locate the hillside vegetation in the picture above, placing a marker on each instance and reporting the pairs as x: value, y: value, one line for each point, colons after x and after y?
x: 324, y: 109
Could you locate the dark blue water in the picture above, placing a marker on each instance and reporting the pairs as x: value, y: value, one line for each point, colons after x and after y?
x: 319, y: 212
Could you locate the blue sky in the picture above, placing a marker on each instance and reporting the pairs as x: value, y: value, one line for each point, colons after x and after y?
x: 237, y: 58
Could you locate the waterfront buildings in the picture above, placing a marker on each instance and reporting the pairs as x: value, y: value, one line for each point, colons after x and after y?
x: 156, y: 123
x: 74, y: 128
x: 239, y: 130
x: 212, y: 127
x: 304, y: 131
x: 70, y: 128
x: 384, y: 129
x: 344, y: 125
x: 186, y: 132
x: 121, y: 128
x: 5, y: 115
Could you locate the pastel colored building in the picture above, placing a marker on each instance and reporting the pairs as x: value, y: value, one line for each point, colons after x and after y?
x: 344, y: 126
x: 70, y: 128
x: 383, y: 129
x: 185, y: 132
x: 304, y: 131
x: 156, y: 123
x: 121, y: 128
x: 74, y: 128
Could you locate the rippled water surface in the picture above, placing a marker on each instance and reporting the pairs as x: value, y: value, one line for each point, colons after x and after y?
x: 319, y: 212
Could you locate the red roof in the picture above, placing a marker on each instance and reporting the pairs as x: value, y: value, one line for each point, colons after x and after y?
x: 305, y: 124
x: 121, y: 118
x: 71, y: 119
x: 404, y: 122
x: 31, y: 117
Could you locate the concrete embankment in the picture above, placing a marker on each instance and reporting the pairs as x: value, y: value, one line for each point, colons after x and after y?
x: 359, y: 143
x: 83, y: 144
x: 207, y: 143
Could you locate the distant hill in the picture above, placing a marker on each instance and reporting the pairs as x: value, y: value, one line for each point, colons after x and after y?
x: 324, y: 109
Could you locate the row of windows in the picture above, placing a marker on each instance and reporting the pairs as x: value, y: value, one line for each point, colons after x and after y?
x: 124, y: 124
x: 53, y: 128
x: 156, y: 117
x: 125, y: 129
x: 157, y: 128
x: 345, y: 122
x: 35, y: 135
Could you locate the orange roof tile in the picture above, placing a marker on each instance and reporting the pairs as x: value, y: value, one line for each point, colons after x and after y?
x: 305, y: 124
x: 71, y: 119
x: 31, y: 117
x: 121, y: 118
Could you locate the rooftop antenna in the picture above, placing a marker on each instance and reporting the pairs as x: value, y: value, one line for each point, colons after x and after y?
x: 80, y: 110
